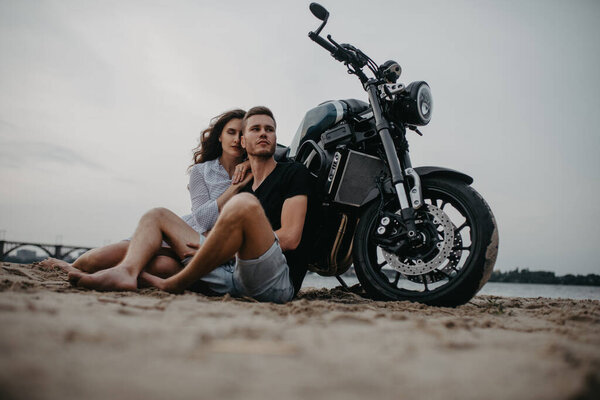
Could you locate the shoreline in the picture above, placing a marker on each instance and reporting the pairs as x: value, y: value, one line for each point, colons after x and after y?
x: 60, y: 342
x: 501, y: 289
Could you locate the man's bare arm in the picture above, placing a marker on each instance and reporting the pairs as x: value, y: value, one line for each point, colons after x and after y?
x: 292, y: 222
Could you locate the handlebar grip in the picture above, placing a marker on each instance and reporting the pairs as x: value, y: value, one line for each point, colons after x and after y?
x: 322, y: 42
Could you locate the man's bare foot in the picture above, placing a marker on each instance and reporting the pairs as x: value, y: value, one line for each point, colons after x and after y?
x: 110, y: 279
x: 55, y: 262
x: 154, y: 281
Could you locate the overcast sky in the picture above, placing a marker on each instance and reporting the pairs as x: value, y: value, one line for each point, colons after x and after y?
x: 101, y: 103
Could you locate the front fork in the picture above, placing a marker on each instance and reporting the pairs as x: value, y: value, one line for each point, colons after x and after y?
x: 412, y: 200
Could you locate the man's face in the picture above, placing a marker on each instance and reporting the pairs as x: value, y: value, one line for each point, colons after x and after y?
x: 259, y: 138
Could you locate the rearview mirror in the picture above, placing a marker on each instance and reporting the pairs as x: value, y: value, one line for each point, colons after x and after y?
x: 319, y: 11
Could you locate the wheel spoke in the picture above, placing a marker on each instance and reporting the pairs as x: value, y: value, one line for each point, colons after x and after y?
x: 424, y: 280
x: 384, y: 276
x: 381, y: 264
x: 433, y: 202
x: 396, y: 279
x: 443, y: 273
x: 460, y: 228
x: 443, y: 205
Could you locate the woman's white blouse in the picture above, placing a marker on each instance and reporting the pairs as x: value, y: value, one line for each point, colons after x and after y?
x: 208, y: 180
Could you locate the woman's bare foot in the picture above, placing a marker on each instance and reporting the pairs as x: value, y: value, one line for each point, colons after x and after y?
x: 55, y: 262
x: 110, y: 279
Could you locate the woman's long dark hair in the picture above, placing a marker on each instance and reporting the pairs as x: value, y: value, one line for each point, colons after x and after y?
x: 209, y: 147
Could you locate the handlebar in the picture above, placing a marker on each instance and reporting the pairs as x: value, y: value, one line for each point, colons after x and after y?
x: 352, y: 57
x: 344, y: 53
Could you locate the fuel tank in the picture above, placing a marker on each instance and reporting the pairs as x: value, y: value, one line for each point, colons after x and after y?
x: 322, y: 117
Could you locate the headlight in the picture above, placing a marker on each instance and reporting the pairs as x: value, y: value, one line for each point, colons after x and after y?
x: 424, y: 102
x: 416, y: 105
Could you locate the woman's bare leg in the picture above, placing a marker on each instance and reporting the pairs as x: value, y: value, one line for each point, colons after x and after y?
x: 51, y: 262
x: 109, y: 256
x: 93, y: 260
x: 102, y: 257
x: 164, y: 264
x: 146, y: 241
x: 161, y: 266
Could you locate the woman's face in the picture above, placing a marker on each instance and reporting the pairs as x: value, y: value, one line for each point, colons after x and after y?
x: 230, y: 138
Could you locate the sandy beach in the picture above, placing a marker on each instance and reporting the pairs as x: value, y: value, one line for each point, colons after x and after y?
x: 59, y: 342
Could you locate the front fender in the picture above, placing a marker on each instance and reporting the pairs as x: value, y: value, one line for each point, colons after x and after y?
x: 424, y: 172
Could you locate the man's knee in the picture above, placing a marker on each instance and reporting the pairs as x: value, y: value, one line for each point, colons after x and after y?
x: 242, y: 206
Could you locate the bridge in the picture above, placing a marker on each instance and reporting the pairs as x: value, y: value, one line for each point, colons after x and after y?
x: 53, y: 250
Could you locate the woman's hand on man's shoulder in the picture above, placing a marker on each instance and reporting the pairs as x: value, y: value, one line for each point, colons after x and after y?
x: 242, y: 170
x: 244, y: 181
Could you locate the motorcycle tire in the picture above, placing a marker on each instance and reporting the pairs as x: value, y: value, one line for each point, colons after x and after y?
x: 460, y: 282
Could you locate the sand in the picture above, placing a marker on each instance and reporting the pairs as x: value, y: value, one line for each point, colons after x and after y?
x: 59, y: 342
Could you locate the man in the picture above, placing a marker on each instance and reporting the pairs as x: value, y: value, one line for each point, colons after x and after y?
x: 263, y: 228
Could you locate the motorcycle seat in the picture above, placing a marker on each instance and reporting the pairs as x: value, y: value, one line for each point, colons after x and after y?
x: 281, y: 153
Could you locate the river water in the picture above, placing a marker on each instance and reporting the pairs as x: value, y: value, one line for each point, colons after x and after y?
x: 491, y: 288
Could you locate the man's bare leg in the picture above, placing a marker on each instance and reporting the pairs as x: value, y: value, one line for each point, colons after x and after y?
x: 242, y: 229
x: 146, y: 241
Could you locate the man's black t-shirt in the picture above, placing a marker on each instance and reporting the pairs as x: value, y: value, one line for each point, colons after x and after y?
x: 287, y: 180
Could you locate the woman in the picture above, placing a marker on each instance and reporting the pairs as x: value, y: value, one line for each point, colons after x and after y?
x: 216, y: 175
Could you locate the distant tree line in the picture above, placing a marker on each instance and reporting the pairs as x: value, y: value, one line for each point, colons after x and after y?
x: 526, y: 276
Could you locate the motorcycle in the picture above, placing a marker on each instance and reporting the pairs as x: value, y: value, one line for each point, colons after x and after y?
x: 412, y: 233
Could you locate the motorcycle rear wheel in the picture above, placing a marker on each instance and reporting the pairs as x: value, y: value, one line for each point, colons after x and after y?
x: 459, y: 277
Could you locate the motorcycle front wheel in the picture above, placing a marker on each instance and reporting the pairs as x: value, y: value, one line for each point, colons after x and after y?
x: 456, y: 258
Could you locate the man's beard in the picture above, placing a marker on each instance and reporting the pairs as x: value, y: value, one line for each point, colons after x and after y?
x: 266, y: 153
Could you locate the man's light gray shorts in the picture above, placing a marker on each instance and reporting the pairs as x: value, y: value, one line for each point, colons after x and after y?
x: 266, y: 278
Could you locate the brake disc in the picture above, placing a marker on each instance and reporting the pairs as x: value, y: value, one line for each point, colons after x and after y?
x: 417, y: 266
x: 447, y: 270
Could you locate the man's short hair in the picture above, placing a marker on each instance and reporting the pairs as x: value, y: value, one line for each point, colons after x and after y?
x: 259, y: 110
